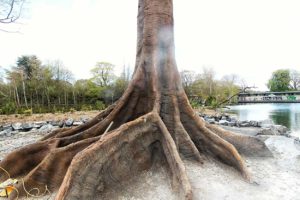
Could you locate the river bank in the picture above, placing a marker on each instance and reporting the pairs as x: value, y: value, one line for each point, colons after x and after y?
x: 276, y: 177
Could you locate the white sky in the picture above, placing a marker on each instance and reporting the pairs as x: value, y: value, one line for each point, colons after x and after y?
x: 248, y: 38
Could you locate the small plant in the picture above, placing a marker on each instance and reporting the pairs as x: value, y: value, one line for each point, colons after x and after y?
x: 27, y: 112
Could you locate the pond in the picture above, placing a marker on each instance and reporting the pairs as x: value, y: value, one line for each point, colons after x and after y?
x: 287, y: 114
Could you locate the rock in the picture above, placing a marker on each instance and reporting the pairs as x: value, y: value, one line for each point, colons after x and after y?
x: 266, y: 131
x: 245, y: 124
x: 281, y: 129
x: 69, y: 122
x: 223, y: 122
x: 39, y: 124
x: 265, y: 123
x: 27, y: 126
x: 211, y: 120
x: 46, y: 128
x: 77, y: 123
x: 224, y: 118
x: 233, y: 119
x: 6, y: 132
x: 17, y: 126
x: 6, y: 126
x: 274, y: 130
x: 54, y: 123
x: 253, y: 123
x: 231, y: 123
x: 84, y: 119
x: 61, y: 123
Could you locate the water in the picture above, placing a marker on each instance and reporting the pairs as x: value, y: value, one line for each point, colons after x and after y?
x: 287, y: 114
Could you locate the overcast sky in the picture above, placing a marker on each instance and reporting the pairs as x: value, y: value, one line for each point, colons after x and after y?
x: 247, y: 38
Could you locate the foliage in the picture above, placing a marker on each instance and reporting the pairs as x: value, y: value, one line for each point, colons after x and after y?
x: 205, y: 89
x: 27, y: 112
x: 280, y: 81
x: 100, y: 105
x: 103, y: 73
x: 50, y: 87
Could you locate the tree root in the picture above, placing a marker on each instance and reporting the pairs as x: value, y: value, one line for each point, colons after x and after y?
x: 91, y: 161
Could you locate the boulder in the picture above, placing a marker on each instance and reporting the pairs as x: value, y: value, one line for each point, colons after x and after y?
x: 224, y: 118
x: 266, y: 131
x: 223, y: 122
x: 27, y: 126
x: 54, y: 123
x: 211, y: 121
x: 281, y: 129
x: 46, y: 128
x: 6, y: 132
x: 6, y: 126
x: 61, y: 123
x: 39, y: 124
x: 17, y: 126
x: 77, y: 123
x: 84, y: 119
x: 69, y: 122
x: 244, y: 124
x: 231, y: 123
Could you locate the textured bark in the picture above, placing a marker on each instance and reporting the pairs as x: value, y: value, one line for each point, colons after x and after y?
x: 153, y: 120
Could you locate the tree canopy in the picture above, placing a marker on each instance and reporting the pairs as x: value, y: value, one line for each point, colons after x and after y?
x: 280, y: 81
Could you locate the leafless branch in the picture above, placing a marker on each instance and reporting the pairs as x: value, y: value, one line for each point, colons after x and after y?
x: 9, y: 17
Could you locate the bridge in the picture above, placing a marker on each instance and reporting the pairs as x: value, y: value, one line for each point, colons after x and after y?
x: 269, y: 97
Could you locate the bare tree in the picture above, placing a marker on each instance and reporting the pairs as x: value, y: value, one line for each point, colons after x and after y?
x: 295, y: 80
x: 10, y: 12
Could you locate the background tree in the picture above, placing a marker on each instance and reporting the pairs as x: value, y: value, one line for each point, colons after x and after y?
x: 187, y: 79
x: 280, y: 81
x: 295, y: 79
x: 103, y: 73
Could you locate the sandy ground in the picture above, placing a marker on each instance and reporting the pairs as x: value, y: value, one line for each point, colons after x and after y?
x: 273, y: 178
x: 4, y: 119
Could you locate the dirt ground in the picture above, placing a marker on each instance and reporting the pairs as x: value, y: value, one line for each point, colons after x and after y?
x: 273, y: 178
x: 4, y: 119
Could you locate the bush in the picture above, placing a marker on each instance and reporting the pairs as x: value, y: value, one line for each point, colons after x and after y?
x: 99, y: 105
x: 27, y: 112
x: 85, y: 107
x: 8, y: 108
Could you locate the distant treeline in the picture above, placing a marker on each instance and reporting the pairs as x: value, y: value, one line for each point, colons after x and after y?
x: 33, y: 87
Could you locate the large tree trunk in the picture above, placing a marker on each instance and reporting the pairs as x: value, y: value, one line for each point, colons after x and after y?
x: 153, y: 119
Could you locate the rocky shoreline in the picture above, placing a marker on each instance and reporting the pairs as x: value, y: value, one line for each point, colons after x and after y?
x: 226, y: 121
x: 252, y: 127
x: 10, y: 129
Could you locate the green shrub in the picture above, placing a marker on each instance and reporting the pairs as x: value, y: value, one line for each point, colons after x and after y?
x: 99, y: 105
x: 8, y: 108
x: 27, y: 112
x: 85, y: 107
